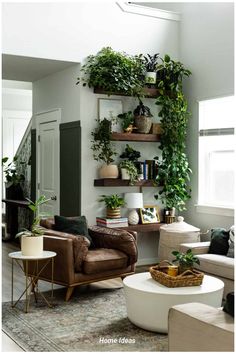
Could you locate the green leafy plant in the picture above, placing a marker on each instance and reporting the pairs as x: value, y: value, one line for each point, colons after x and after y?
x: 130, y: 154
x: 185, y: 260
x: 114, y: 72
x: 103, y: 149
x: 151, y: 62
x: 170, y: 75
x: 131, y: 170
x: 35, y: 230
x: 112, y: 201
x: 174, y: 171
x: 127, y: 120
x: 142, y: 110
x: 10, y: 170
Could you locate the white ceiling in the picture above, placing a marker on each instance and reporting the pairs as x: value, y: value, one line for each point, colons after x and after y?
x: 30, y: 69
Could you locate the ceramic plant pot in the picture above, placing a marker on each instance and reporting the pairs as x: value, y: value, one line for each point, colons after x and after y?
x: 125, y: 174
x: 32, y: 246
x: 143, y: 124
x: 109, y: 171
x: 150, y: 77
x: 113, y: 213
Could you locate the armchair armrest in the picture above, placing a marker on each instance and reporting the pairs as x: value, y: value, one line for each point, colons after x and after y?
x: 80, y: 246
x: 196, y: 247
x: 121, y: 240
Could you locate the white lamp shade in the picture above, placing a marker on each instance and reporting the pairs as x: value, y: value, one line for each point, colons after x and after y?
x: 134, y: 200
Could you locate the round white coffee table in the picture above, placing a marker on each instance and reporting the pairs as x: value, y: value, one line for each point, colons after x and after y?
x: 148, y: 301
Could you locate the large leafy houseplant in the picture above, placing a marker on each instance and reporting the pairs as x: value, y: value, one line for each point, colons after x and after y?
x: 113, y: 71
x: 13, y: 177
x: 174, y: 171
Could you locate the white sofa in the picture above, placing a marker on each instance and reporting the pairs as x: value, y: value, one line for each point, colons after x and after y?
x: 196, y: 327
x: 216, y: 265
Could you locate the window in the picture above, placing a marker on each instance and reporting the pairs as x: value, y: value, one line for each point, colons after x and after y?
x: 216, y: 158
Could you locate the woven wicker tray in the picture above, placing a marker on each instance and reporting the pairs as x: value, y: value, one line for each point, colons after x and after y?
x: 187, y: 278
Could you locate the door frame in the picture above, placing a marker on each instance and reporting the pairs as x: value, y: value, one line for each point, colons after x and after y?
x: 39, y: 119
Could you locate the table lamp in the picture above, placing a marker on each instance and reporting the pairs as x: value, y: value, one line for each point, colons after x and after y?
x: 133, y: 201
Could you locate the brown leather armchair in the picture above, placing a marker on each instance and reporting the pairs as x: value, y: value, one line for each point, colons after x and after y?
x: 114, y: 255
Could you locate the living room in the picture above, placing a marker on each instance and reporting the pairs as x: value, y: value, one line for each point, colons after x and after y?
x: 62, y: 36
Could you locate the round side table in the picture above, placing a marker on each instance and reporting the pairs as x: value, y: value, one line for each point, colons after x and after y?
x: 31, y: 278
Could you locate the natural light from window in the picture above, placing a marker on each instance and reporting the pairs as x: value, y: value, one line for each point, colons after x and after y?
x: 216, y: 158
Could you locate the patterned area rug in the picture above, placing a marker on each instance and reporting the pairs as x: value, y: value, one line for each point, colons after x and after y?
x: 93, y: 321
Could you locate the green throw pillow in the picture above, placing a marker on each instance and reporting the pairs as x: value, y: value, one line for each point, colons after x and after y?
x: 75, y: 226
x: 219, y: 241
x: 229, y: 304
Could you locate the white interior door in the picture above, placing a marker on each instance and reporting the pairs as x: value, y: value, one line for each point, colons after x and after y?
x: 48, y: 169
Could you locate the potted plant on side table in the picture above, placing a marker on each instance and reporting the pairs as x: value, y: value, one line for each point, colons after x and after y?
x: 113, y: 203
x: 103, y: 149
x: 186, y: 260
x: 32, y: 240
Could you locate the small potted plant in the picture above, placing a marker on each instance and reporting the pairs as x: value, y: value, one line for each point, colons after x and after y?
x: 32, y: 240
x: 103, y: 149
x: 129, y: 171
x: 151, y: 62
x: 185, y: 260
x: 13, y: 178
x: 127, y: 121
x: 142, y: 118
x: 113, y: 203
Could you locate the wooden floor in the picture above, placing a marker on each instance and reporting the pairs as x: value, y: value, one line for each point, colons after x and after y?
x: 19, y: 285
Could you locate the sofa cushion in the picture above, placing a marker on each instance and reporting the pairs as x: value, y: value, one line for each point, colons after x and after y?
x: 76, y: 226
x: 219, y: 241
x: 231, y: 243
x: 217, y: 265
x: 102, y: 259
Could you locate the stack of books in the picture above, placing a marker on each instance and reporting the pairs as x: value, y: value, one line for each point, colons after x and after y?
x: 121, y: 222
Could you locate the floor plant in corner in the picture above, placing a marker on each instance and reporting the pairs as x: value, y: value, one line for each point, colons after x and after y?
x: 32, y: 240
x: 174, y: 171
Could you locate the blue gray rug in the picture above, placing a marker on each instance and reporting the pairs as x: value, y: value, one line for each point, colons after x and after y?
x: 92, y: 321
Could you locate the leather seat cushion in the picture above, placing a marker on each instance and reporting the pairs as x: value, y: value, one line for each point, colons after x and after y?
x: 102, y: 259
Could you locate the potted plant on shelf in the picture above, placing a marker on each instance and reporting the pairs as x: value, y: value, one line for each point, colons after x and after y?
x: 113, y: 71
x: 151, y: 62
x: 142, y: 118
x: 127, y: 121
x: 113, y: 203
x: 103, y: 149
x: 32, y: 240
x: 129, y: 171
x: 13, y: 178
x: 185, y: 260
x: 174, y: 171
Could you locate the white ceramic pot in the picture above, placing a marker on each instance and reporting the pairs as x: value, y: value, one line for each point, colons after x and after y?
x: 125, y: 174
x: 32, y: 246
x: 150, y: 77
x: 109, y: 171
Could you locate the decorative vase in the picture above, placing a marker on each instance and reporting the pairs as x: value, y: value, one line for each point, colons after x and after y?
x: 32, y: 246
x: 109, y: 171
x: 125, y: 174
x: 143, y: 124
x: 113, y: 213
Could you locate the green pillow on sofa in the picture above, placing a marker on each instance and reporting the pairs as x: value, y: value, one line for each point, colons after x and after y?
x: 75, y: 226
x: 219, y: 241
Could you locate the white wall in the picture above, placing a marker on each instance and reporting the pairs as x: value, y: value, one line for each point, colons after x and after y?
x: 73, y: 30
x: 207, y: 39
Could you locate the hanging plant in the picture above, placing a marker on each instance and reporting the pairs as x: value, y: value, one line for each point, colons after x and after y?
x: 174, y: 171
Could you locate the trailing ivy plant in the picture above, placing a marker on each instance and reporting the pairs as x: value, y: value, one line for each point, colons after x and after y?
x: 103, y: 149
x: 114, y: 72
x: 174, y: 171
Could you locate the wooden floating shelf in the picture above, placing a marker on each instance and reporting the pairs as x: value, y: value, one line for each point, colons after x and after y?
x: 143, y: 227
x: 115, y: 182
x: 135, y: 137
x: 149, y: 92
